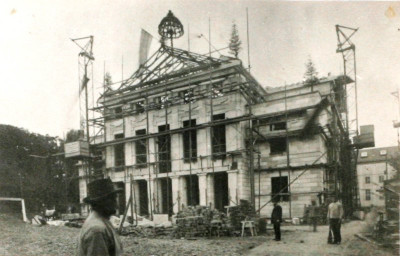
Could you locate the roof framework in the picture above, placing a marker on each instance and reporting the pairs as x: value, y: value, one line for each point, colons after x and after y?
x: 165, y: 64
x: 169, y: 65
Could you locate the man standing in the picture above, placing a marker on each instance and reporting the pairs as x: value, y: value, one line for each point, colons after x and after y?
x: 276, y: 219
x: 97, y: 236
x: 313, y: 215
x: 335, y: 215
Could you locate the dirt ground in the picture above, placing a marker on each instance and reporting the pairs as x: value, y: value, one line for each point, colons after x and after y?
x: 18, y: 238
x: 300, y: 240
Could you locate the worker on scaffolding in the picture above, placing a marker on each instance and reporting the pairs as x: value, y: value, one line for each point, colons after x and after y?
x: 97, y: 236
x: 276, y: 220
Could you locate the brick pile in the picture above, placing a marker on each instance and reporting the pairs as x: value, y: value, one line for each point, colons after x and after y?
x: 199, y: 221
x: 241, y: 212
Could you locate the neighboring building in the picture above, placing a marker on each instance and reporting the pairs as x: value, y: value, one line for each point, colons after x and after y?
x: 373, y: 168
x: 190, y: 129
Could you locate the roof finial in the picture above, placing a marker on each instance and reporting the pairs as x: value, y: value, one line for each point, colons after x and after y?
x: 170, y: 27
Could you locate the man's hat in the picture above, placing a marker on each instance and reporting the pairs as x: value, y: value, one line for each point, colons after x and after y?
x: 99, y: 189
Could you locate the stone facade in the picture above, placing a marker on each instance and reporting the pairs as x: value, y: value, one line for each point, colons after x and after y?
x: 283, y: 122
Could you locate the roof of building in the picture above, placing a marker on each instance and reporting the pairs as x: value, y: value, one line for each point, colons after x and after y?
x: 377, y: 154
x: 169, y: 64
x: 337, y: 79
x: 167, y: 61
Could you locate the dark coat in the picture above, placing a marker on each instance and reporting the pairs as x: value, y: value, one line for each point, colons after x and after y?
x: 98, y: 237
x: 276, y: 216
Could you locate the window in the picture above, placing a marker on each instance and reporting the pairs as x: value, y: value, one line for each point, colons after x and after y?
x: 364, y: 154
x: 280, y: 190
x: 157, y: 102
x: 186, y: 96
x: 217, y: 89
x: 218, y: 138
x: 383, y: 152
x: 277, y: 146
x: 119, y: 152
x: 367, y: 180
x: 161, y: 101
x: 139, y: 107
x: 381, y: 178
x: 164, y: 150
x: 367, y: 195
x: 141, y: 150
x: 277, y: 126
x: 190, y: 141
x: 118, y: 112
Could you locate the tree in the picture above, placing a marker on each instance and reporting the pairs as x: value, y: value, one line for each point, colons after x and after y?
x: 28, y: 168
x: 33, y: 167
x: 234, y: 42
x: 74, y: 135
x: 108, y: 79
x: 311, y: 74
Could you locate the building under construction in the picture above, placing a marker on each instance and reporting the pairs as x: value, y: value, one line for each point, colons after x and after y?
x: 189, y: 129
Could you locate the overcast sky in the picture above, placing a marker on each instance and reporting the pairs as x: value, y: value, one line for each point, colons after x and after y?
x: 39, y: 63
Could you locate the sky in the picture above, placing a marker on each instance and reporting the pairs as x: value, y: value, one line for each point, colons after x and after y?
x: 39, y: 63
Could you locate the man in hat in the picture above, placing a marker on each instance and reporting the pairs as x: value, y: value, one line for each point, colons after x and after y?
x: 97, y: 236
x: 276, y: 219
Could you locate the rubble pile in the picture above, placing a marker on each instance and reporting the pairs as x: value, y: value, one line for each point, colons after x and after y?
x: 73, y: 220
x: 241, y: 212
x: 195, y: 221
x: 148, y: 231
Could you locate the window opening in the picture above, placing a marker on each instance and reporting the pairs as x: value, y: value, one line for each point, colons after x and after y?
x: 280, y: 191
x: 164, y: 150
x: 190, y: 141
x: 218, y: 138
x: 119, y: 150
x: 141, y: 150
x: 277, y: 146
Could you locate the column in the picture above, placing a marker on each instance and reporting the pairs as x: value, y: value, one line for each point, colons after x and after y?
x: 151, y: 196
x: 136, y: 201
x: 210, y: 191
x: 203, y: 188
x: 127, y: 195
x: 183, y: 192
x: 233, y: 187
x: 175, y: 193
x: 158, y: 195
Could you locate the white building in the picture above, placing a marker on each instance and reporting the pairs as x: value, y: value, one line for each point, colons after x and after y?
x: 373, y: 167
x: 195, y: 130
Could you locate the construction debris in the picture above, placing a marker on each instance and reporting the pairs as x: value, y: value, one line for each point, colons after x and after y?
x: 149, y: 231
x: 38, y: 220
x: 200, y: 221
x: 241, y: 212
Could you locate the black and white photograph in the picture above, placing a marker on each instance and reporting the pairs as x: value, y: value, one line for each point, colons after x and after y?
x: 199, y: 127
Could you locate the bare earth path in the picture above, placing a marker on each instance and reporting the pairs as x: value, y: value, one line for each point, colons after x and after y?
x: 300, y: 240
x: 18, y: 238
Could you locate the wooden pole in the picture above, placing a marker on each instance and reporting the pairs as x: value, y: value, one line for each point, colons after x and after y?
x: 123, y: 218
x: 23, y: 211
x: 131, y: 196
x: 248, y: 39
x: 134, y: 198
